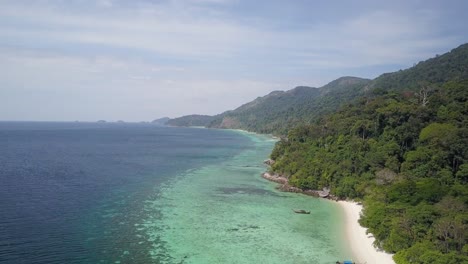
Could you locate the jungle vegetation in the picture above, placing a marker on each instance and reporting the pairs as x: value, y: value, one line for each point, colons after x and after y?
x: 398, y: 143
x: 405, y: 155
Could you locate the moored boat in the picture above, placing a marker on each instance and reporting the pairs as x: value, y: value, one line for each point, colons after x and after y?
x: 301, y: 211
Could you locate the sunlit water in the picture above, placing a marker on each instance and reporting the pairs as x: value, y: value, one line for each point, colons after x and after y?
x: 108, y: 193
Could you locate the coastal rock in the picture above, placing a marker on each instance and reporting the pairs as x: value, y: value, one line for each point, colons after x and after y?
x: 285, y: 187
x: 275, y: 178
x: 288, y: 188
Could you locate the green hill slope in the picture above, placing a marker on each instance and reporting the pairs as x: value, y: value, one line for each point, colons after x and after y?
x: 435, y: 71
x: 402, y: 149
x: 407, y: 160
x: 278, y: 111
x: 191, y: 120
x: 273, y: 112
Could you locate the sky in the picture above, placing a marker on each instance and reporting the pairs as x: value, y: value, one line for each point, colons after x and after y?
x: 67, y: 60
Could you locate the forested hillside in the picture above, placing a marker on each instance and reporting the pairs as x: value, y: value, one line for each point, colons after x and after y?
x: 264, y: 114
x: 279, y: 111
x: 435, y: 71
x: 398, y: 143
x: 405, y: 154
x: 191, y: 120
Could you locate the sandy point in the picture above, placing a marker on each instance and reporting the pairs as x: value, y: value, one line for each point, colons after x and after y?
x: 361, y: 244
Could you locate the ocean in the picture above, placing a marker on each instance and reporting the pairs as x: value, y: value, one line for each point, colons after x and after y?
x: 138, y: 193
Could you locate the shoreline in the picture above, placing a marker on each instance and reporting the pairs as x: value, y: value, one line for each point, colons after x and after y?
x: 283, y: 185
x: 359, y: 242
x: 271, y: 136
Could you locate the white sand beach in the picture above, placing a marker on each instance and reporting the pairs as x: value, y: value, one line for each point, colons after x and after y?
x: 359, y: 241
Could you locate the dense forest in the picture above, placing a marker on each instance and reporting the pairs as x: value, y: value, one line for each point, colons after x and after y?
x: 401, y: 149
x: 278, y: 111
x: 437, y: 70
x: 405, y: 155
x: 398, y: 143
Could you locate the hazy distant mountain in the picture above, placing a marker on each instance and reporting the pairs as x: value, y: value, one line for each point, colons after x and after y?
x: 160, y: 121
x: 191, y: 120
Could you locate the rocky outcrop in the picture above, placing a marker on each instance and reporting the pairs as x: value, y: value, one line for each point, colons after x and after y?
x: 285, y: 187
x: 275, y: 178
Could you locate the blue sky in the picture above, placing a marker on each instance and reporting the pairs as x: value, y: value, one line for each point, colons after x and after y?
x: 140, y: 60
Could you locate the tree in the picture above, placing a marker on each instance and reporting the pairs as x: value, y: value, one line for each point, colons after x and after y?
x: 423, y: 95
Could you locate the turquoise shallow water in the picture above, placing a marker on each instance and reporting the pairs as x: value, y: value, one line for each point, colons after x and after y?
x: 75, y: 192
x: 226, y: 213
x: 136, y: 193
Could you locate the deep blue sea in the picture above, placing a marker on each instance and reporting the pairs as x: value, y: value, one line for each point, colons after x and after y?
x: 137, y: 193
x: 74, y: 192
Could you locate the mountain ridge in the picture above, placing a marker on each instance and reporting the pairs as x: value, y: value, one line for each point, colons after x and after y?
x: 278, y: 111
x: 272, y: 108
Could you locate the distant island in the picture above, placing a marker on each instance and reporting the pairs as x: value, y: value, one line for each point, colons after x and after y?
x: 398, y: 143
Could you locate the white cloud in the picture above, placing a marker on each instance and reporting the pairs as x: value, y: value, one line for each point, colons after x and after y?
x: 377, y: 37
x: 163, y: 33
x: 113, y: 89
x: 179, y: 57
